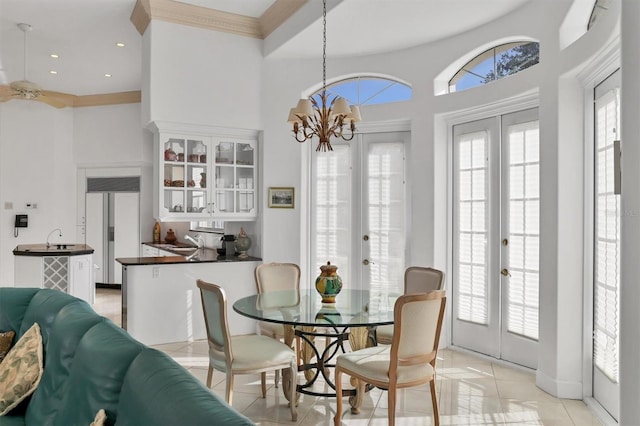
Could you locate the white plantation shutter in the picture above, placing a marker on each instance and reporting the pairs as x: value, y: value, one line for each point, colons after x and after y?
x: 607, y: 239
x: 332, y: 210
x: 472, y: 206
x: 524, y: 230
x: 385, y: 198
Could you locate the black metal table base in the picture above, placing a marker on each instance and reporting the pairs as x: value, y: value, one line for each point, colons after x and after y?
x: 323, y: 361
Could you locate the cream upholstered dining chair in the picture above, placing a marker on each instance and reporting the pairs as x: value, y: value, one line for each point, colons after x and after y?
x: 411, y: 358
x: 273, y: 277
x: 417, y: 279
x: 244, y: 354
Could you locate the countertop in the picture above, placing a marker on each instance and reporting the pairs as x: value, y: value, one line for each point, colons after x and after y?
x: 57, y: 249
x: 205, y: 255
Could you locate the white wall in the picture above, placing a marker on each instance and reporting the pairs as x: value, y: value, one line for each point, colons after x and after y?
x: 36, y: 165
x: 42, y: 148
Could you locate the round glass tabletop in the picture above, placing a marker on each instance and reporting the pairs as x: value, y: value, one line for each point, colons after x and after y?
x: 353, y: 308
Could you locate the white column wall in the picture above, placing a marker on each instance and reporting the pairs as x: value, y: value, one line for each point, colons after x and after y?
x: 203, y: 77
x: 630, y: 227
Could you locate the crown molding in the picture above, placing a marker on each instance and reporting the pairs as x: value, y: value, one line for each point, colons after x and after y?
x: 279, y: 12
x: 195, y: 16
x: 211, y: 19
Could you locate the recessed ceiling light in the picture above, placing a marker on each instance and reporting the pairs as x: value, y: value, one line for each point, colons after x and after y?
x: 107, y: 75
x: 53, y: 72
x: 54, y: 56
x: 120, y: 44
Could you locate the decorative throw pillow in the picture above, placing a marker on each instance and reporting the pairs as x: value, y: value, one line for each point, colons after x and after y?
x: 6, y: 340
x: 100, y: 419
x: 21, y: 370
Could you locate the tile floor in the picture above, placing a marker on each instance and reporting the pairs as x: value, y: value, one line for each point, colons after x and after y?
x: 472, y: 390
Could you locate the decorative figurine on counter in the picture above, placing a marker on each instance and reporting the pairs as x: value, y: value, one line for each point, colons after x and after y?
x: 243, y: 243
x: 170, y: 237
x: 157, y: 231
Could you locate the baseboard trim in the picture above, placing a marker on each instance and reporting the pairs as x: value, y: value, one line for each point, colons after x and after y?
x: 559, y: 389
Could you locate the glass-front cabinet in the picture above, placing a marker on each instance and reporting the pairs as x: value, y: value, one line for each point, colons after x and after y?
x: 206, y: 177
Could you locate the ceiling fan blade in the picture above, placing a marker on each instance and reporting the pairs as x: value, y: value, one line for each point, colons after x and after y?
x: 64, y: 99
x: 5, y: 91
x: 57, y: 103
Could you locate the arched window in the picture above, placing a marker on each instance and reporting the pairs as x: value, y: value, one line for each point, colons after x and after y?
x: 495, y: 63
x: 599, y: 8
x: 368, y: 90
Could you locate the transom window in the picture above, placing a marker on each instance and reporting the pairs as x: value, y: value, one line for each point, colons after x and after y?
x: 368, y: 90
x: 495, y: 63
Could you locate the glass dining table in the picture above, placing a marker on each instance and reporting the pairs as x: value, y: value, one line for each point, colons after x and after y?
x: 352, y: 318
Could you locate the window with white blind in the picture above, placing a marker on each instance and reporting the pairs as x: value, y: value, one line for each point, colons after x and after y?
x: 385, y: 206
x: 607, y: 239
x: 332, y: 209
x: 524, y: 228
x: 358, y: 213
x: 496, y: 226
x: 472, y: 208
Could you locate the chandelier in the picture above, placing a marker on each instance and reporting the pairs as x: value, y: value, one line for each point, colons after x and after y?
x: 324, y: 119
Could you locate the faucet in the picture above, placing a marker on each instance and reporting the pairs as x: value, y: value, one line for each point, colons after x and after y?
x: 198, y: 240
x: 48, y: 236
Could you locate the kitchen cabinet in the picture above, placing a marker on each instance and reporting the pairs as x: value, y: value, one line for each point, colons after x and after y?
x: 202, y: 174
x: 69, y: 272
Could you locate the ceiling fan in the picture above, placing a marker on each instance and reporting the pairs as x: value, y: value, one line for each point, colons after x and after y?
x: 25, y: 89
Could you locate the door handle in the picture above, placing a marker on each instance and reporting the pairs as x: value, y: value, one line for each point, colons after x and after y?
x: 367, y: 262
x: 366, y: 238
x: 505, y: 272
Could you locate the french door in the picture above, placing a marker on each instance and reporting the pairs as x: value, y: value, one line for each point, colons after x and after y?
x: 358, y: 212
x: 606, y: 276
x: 496, y: 207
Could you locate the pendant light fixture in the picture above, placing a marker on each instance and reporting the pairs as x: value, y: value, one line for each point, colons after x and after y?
x: 325, y: 119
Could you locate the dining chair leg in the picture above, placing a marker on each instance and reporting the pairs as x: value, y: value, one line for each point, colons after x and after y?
x: 229, y: 389
x: 391, y: 404
x: 209, y: 377
x: 434, y: 401
x: 294, y: 390
x: 338, y: 378
x: 263, y: 383
x: 277, y: 378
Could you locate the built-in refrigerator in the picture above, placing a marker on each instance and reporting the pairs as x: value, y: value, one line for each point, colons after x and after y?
x: 112, y: 228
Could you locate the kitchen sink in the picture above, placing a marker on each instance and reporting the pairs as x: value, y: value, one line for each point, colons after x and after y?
x: 185, y: 249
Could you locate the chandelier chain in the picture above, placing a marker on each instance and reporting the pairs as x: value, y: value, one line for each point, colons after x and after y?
x: 324, y: 45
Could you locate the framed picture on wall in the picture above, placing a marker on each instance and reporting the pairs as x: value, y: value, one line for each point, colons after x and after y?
x: 281, y: 197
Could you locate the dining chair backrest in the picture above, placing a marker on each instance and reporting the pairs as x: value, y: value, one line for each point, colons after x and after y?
x: 277, y: 276
x: 214, y: 306
x: 418, y: 322
x: 418, y: 279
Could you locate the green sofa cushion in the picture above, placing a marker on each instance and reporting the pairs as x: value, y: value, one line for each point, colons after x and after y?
x: 68, y: 328
x: 102, y: 358
x: 169, y: 398
x: 13, y: 305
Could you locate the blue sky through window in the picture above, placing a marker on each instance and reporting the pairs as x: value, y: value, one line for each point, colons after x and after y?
x: 368, y: 91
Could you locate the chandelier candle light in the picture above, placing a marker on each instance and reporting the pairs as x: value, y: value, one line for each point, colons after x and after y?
x: 327, y: 119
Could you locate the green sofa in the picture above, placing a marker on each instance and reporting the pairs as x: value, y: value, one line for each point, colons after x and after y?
x: 90, y: 363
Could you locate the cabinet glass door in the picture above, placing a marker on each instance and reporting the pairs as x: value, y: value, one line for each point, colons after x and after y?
x: 196, y: 157
x: 234, y: 177
x: 185, y: 172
